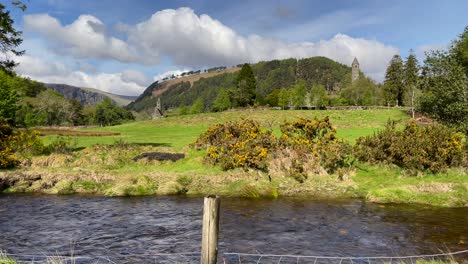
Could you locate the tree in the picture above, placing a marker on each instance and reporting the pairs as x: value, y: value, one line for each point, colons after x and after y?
x: 246, y: 85
x: 298, y: 94
x: 318, y: 95
x: 10, y: 38
x: 222, y: 101
x: 272, y: 98
x: 363, y: 91
x: 108, y: 114
x: 8, y: 101
x: 459, y: 49
x: 198, y: 106
x: 53, y: 106
x: 411, y: 76
x: 393, y: 84
x: 445, y: 90
x: 283, y: 98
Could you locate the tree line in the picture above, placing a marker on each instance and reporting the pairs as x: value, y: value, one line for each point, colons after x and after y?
x: 26, y: 103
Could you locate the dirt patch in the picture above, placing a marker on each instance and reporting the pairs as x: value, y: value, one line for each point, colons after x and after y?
x: 434, y: 187
x: 160, y: 156
x: 74, y: 133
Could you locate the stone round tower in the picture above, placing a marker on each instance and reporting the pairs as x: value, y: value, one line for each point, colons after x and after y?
x: 355, y: 70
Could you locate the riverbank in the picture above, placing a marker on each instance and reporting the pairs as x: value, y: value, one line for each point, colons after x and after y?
x: 110, y: 168
x: 380, y: 184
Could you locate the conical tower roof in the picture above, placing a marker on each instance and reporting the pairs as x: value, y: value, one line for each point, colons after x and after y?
x: 355, y: 61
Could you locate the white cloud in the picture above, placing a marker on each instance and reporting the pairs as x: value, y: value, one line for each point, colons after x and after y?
x: 161, y: 76
x: 194, y: 41
x: 86, y: 37
x: 422, y: 50
x: 37, y: 67
x: 40, y: 70
x: 136, y: 77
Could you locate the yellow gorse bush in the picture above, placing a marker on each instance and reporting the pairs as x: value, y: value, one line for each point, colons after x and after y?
x: 244, y: 144
x: 16, y: 145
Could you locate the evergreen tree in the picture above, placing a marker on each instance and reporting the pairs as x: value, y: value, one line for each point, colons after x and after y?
x: 246, y: 85
x: 411, y: 77
x: 10, y: 38
x: 394, y: 88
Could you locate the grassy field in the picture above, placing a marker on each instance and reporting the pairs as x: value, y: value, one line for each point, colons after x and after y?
x: 111, y: 170
x: 179, y: 131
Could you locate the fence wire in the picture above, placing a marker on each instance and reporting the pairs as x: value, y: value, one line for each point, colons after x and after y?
x: 234, y: 258
x: 162, y: 258
x: 239, y: 258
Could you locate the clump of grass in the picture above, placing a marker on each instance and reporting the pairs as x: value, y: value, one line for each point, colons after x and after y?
x: 184, y: 182
x: 5, y: 259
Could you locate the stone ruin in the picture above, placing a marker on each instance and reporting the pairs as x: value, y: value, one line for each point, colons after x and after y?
x: 157, y: 113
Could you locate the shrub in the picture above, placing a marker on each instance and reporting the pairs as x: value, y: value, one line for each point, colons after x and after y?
x: 416, y: 147
x: 306, y: 147
x: 313, y: 147
x: 237, y: 144
x: 15, y: 145
x: 62, y: 145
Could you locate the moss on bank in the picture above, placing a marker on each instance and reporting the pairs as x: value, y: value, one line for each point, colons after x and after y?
x: 381, y: 184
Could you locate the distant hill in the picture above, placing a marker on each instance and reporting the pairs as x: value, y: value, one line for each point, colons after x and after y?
x: 270, y: 75
x: 170, y: 88
x: 89, y: 96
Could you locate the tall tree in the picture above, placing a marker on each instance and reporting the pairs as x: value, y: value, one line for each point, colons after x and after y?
x: 10, y: 38
x: 394, y: 88
x: 445, y: 90
x: 246, y: 85
x: 459, y: 49
x: 411, y: 77
x: 283, y: 98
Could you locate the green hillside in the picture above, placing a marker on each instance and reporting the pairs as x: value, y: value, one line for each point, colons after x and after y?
x: 270, y: 76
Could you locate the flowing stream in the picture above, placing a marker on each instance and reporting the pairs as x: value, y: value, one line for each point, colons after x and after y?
x: 137, y: 229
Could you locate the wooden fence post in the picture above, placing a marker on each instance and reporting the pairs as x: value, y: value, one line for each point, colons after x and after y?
x: 210, y: 229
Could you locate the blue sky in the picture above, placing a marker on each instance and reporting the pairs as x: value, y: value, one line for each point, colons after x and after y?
x: 122, y: 46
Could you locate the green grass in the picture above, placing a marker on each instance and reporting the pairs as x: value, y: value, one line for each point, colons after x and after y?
x: 179, y: 131
x: 111, y: 171
x: 390, y: 184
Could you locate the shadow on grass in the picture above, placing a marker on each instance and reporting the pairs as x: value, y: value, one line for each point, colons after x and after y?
x: 154, y: 144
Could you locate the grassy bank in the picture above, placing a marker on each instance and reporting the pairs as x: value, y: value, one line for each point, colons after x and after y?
x: 111, y: 170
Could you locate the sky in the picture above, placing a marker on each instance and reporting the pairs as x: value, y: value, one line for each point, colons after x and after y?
x: 122, y: 46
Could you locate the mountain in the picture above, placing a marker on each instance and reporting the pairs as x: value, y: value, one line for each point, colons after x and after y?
x: 88, y: 96
x: 270, y: 76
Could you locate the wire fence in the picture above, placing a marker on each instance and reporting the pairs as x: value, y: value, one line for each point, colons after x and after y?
x: 236, y: 258
x: 163, y: 258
